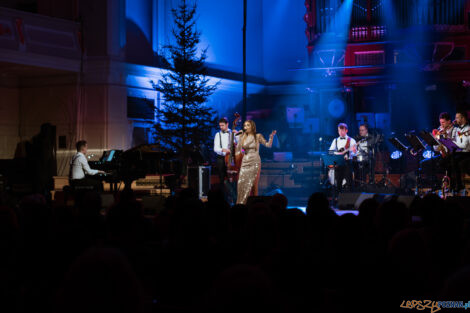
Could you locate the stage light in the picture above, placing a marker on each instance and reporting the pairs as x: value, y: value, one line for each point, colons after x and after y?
x: 336, y: 108
x: 396, y: 155
x: 427, y: 154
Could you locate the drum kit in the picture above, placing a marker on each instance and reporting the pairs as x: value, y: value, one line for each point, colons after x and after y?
x: 363, y: 162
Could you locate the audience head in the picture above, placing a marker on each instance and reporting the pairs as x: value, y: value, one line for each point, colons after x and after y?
x: 100, y: 280
x: 317, y: 202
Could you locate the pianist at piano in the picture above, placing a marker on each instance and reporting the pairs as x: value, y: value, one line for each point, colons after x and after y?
x: 80, y: 172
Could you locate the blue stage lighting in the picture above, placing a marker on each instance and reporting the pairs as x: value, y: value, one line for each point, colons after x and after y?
x: 396, y: 155
x: 427, y: 154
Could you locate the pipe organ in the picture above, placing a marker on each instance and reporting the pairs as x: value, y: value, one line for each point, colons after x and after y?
x: 372, y: 13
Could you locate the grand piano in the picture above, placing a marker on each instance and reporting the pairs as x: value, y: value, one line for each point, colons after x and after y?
x: 137, y: 162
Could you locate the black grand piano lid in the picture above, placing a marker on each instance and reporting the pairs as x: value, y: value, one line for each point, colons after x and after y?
x: 149, y: 159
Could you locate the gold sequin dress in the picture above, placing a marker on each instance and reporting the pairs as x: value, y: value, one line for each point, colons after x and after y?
x: 251, y: 165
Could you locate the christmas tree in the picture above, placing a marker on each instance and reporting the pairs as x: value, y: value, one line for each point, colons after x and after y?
x: 184, y: 120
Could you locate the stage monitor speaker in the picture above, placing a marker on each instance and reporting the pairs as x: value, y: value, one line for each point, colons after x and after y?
x: 199, y: 179
x: 384, y: 197
x: 407, y: 200
x: 347, y: 200
x: 363, y: 196
x: 353, y: 200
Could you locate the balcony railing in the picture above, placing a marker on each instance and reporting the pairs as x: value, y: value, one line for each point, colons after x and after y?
x: 367, y: 33
x: 26, y: 34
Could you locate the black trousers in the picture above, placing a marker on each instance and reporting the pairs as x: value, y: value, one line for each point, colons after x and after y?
x: 221, y: 169
x: 343, y: 172
x: 229, y: 188
x: 460, y: 164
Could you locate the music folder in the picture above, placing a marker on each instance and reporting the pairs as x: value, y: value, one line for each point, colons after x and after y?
x: 450, y: 145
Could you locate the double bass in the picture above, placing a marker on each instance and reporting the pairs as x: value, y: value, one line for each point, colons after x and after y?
x: 232, y: 161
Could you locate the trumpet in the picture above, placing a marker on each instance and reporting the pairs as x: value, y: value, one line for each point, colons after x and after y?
x: 436, y: 133
x: 439, y: 133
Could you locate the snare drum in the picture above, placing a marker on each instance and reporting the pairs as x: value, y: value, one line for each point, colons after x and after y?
x: 361, y: 158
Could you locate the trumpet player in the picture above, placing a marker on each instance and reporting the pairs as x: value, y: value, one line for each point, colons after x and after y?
x: 446, y: 128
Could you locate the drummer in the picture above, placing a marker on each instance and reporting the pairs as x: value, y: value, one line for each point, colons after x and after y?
x: 364, y: 156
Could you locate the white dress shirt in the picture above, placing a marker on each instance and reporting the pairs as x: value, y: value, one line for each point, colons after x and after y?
x: 363, y: 146
x: 463, y: 142
x: 79, y: 167
x: 223, y: 142
x: 340, y: 142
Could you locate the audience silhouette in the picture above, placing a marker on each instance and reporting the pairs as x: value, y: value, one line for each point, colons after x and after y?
x: 195, y: 256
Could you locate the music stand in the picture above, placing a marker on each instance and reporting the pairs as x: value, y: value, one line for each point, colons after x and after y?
x: 417, y: 146
x: 333, y: 159
x: 398, y: 144
x: 431, y: 141
x: 415, y: 142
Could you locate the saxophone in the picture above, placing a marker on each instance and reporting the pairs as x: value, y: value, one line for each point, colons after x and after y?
x: 438, y: 134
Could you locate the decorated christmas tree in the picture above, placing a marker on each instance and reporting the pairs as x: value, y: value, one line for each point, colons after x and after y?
x: 184, y: 120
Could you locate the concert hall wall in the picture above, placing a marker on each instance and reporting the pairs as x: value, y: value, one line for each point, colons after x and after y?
x: 113, y: 50
x: 9, y: 121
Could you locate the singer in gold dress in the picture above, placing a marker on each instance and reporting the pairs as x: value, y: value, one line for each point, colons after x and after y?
x: 251, y: 162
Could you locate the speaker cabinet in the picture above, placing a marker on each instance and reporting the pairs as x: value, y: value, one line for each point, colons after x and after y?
x: 347, y: 200
x: 199, y: 179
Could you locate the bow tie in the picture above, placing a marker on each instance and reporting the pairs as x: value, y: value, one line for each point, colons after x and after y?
x: 225, y: 132
x: 342, y: 138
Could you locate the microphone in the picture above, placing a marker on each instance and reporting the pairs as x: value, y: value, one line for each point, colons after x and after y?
x: 454, y: 122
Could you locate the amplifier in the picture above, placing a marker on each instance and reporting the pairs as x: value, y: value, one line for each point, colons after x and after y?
x: 199, y: 179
